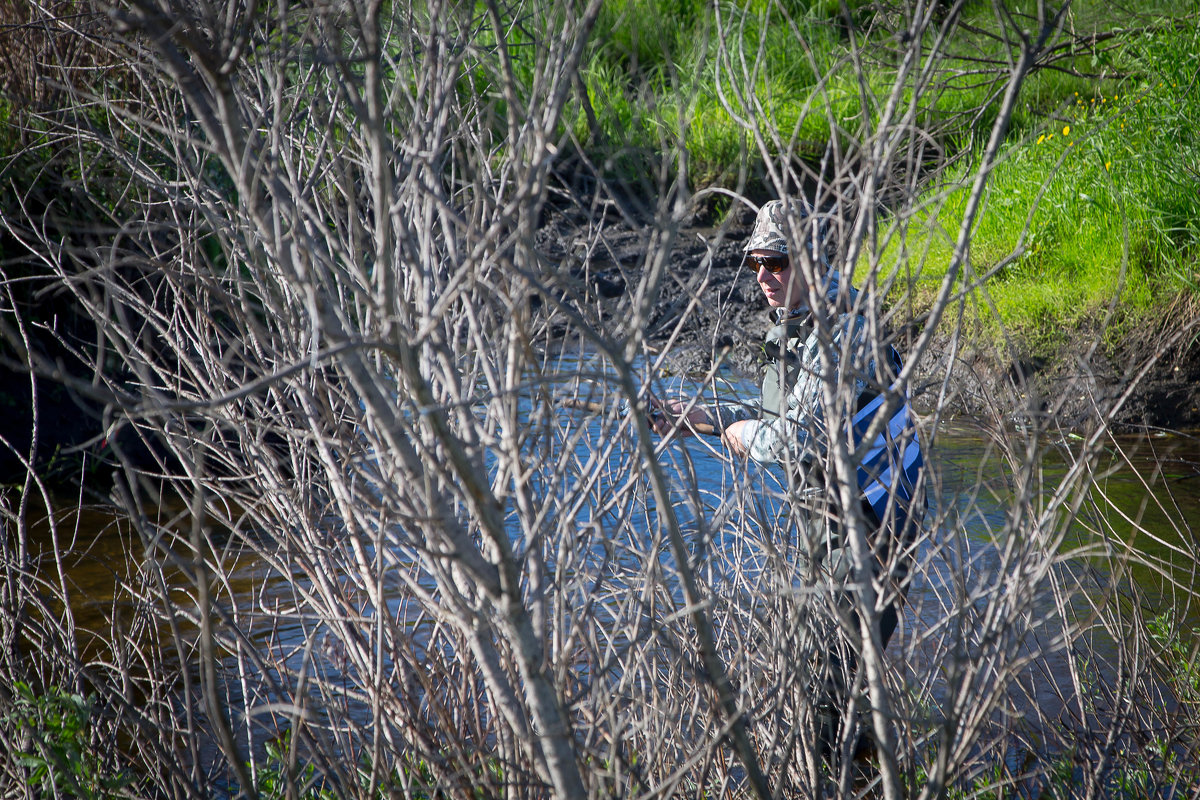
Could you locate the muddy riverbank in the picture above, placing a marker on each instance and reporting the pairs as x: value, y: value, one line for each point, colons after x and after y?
x: 710, y: 308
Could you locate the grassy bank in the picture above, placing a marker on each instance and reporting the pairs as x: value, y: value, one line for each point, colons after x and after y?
x: 1094, y: 203
x: 1094, y: 208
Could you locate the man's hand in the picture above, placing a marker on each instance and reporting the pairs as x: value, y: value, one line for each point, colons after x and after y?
x: 731, y: 437
x: 668, y: 416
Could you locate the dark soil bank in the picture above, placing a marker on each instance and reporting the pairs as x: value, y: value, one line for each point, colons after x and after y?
x: 711, y: 308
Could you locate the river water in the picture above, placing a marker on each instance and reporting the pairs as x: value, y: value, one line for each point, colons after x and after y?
x: 1145, y: 493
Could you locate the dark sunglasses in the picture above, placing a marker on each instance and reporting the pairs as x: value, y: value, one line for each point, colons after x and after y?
x: 772, y: 264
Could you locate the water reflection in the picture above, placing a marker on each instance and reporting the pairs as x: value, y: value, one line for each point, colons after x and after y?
x: 1144, y: 494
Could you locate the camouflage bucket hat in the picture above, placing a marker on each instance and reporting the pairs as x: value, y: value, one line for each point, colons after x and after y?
x: 770, y: 229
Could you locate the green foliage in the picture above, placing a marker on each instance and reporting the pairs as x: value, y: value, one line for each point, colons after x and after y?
x: 1179, y: 654
x: 273, y: 779
x: 646, y: 36
x: 58, y: 752
x: 990, y: 782
x: 1106, y: 215
x: 412, y: 777
x: 1153, y: 770
x: 1097, y: 205
x: 653, y: 71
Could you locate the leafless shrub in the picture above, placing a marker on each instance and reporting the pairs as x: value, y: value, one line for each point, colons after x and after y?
x: 47, y: 47
x: 326, y: 329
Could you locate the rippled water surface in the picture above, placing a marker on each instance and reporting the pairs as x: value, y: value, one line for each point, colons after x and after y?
x: 1146, y: 491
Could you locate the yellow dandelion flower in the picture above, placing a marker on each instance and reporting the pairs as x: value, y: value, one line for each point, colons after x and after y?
x: 1107, y: 166
x: 1066, y: 130
x: 1070, y: 144
x: 1041, y: 138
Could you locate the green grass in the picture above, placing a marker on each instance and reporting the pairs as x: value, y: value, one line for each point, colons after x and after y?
x: 1108, y: 186
x: 56, y: 750
x: 1114, y: 201
x: 654, y: 70
x: 1111, y: 205
x: 653, y: 73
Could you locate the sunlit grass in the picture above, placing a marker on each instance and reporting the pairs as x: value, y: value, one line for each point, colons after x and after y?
x: 664, y: 63
x: 656, y: 75
x: 1092, y: 208
x: 1096, y: 208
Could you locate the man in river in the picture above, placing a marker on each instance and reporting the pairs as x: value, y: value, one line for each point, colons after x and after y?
x: 827, y: 382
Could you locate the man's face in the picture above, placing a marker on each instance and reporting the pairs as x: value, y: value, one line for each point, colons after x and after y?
x: 784, y: 289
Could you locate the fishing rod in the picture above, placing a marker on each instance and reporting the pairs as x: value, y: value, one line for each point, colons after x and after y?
x: 703, y: 428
